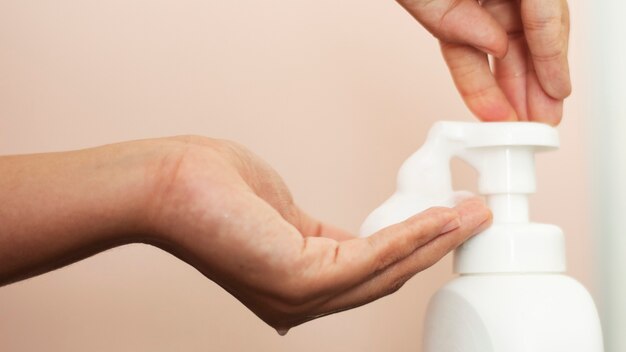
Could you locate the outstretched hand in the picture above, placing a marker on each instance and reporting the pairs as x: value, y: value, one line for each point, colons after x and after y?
x: 226, y: 212
x: 528, y: 40
x: 221, y: 209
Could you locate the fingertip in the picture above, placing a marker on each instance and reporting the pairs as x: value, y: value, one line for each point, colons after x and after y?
x: 475, y: 215
x: 487, y: 216
x: 474, y: 205
x: 559, y: 88
x: 492, y: 107
x: 553, y: 74
x: 496, y: 42
x: 541, y: 106
x: 553, y: 120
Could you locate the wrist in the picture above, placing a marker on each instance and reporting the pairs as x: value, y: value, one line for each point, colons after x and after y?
x: 137, y: 174
x: 184, y: 190
x: 61, y: 207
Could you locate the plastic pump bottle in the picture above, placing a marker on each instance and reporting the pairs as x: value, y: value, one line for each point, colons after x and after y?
x: 512, y: 294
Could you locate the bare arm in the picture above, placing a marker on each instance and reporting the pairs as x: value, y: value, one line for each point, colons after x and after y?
x: 220, y: 208
x: 57, y: 208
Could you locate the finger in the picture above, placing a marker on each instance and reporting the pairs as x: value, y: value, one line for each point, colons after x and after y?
x: 327, y: 267
x: 546, y: 25
x: 345, y: 264
x: 359, y: 261
x: 475, y: 217
x: 510, y: 71
x: 396, y: 242
x: 459, y: 21
x: 541, y: 106
x: 309, y: 226
x: 515, y: 73
x: 476, y: 84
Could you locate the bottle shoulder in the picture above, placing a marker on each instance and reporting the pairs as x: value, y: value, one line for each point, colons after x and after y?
x: 531, y: 284
x: 517, y: 312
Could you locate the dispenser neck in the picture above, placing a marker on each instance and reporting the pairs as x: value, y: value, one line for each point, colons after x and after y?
x: 513, y: 248
x: 508, y: 208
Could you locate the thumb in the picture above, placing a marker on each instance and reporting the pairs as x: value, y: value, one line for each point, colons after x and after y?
x: 460, y: 22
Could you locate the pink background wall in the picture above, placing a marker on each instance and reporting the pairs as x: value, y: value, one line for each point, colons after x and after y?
x: 334, y: 94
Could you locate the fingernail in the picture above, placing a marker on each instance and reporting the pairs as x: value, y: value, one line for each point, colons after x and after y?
x: 452, y: 225
x: 483, y: 226
x: 489, y: 51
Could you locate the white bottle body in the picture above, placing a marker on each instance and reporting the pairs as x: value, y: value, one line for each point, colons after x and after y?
x: 512, y: 313
x: 510, y: 296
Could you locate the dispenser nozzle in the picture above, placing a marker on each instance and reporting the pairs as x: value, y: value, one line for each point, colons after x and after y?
x: 501, y: 152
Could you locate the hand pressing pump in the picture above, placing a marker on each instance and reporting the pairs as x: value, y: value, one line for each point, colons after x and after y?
x: 512, y: 294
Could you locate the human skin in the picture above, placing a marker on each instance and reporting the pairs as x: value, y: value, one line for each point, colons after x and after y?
x: 219, y: 208
x: 528, y: 41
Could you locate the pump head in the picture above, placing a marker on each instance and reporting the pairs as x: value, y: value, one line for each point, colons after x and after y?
x: 503, y: 155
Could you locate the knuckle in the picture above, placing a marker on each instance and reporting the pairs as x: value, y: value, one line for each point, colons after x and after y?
x: 551, y: 53
x: 395, y: 287
x: 443, y: 24
x: 440, y: 19
x: 382, y: 261
x: 397, y: 284
x: 549, y: 46
x: 382, y: 258
x: 460, y: 61
x: 547, y: 38
x: 421, y: 223
x: 542, y: 23
x: 434, y: 15
x: 477, y: 94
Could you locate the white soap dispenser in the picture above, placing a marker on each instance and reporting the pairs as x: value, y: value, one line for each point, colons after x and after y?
x: 511, y: 294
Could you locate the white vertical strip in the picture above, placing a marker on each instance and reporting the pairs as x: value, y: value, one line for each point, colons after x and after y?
x: 608, y: 93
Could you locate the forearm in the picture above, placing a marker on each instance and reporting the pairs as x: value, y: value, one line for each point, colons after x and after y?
x: 57, y: 208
